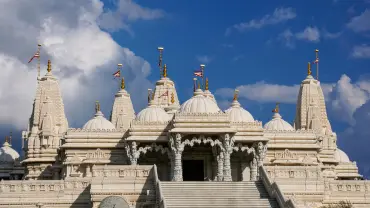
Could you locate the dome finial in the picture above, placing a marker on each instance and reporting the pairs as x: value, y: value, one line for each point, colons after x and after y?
x: 49, y: 66
x: 276, y: 109
x: 160, y: 49
x: 97, y: 106
x: 236, y: 93
x: 172, y: 98
x: 165, y: 70
x: 123, y: 84
x: 6, y: 139
x: 207, y: 87
x: 10, y: 138
x: 198, y: 85
x: 309, y: 72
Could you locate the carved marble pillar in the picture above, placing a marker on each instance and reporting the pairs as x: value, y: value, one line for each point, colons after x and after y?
x: 260, y: 154
x: 228, y: 145
x: 88, y: 170
x: 132, y: 153
x: 177, y: 147
x: 219, y: 155
x: 253, y: 168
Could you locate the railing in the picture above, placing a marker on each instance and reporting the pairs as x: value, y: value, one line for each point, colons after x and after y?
x: 274, y: 191
x: 160, y: 202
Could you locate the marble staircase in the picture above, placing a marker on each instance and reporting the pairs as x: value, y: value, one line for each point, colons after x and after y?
x: 199, y: 194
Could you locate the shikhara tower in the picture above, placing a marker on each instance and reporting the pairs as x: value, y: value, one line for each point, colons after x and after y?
x: 141, y: 160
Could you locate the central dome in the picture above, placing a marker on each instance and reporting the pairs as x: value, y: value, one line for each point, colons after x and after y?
x: 199, y: 104
x: 278, y: 124
x: 99, y: 123
x: 153, y: 113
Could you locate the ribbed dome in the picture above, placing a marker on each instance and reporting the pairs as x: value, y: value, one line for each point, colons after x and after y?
x: 238, y: 114
x: 199, y: 104
x: 341, y: 156
x: 98, y: 123
x: 277, y: 123
x: 8, y: 154
x: 209, y: 95
x: 153, y: 113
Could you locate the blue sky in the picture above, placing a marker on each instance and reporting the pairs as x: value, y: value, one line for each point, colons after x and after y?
x: 259, y: 47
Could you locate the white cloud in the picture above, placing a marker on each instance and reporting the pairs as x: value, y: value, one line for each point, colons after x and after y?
x: 278, y: 16
x: 362, y: 51
x: 204, y: 59
x: 311, y: 34
x: 287, y: 38
x: 83, y: 58
x: 330, y: 35
x: 127, y: 11
x: 360, y: 23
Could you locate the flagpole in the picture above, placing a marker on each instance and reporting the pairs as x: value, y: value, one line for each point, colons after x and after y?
x: 202, y: 69
x: 160, y: 49
x: 195, y: 83
x: 317, y: 64
x: 119, y: 67
x: 38, y: 61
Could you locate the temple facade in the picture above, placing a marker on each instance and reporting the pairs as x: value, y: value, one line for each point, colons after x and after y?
x: 178, y: 155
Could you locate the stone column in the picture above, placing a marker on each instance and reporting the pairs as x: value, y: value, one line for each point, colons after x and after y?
x: 253, y: 168
x: 177, y: 147
x: 260, y: 150
x: 132, y: 153
x: 88, y: 170
x: 219, y: 155
x: 228, y: 145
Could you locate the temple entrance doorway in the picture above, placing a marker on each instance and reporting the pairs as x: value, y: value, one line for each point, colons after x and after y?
x: 193, y: 170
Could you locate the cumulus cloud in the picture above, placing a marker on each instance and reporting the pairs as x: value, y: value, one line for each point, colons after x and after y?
x: 287, y: 38
x: 83, y: 58
x: 361, y: 51
x: 278, y: 16
x: 360, y: 23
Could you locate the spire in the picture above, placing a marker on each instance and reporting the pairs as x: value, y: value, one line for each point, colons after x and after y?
x: 97, y: 106
x: 123, y: 84
x: 165, y: 70
x: 49, y: 66
x: 207, y: 87
x: 276, y: 109
x: 309, y: 72
x: 236, y: 93
x: 172, y: 98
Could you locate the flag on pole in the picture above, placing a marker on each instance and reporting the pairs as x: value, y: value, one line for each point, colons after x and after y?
x: 198, y: 73
x: 316, y: 61
x: 36, y: 55
x: 164, y: 94
x: 117, y: 74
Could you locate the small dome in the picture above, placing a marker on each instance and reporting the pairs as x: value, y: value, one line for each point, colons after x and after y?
x: 238, y: 114
x: 341, y: 156
x: 114, y: 201
x: 8, y: 154
x: 99, y: 122
x: 153, y: 113
x: 199, y: 104
x: 277, y: 123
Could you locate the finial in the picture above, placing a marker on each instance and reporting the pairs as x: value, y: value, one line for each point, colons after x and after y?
x: 207, y: 87
x: 172, y: 98
x: 198, y: 85
x: 6, y: 139
x: 276, y: 110
x: 149, y: 95
x: 123, y: 84
x: 317, y: 50
x: 10, y: 138
x: 309, y: 72
x: 49, y: 66
x: 165, y: 70
x: 97, y: 106
x: 236, y: 93
x: 202, y: 66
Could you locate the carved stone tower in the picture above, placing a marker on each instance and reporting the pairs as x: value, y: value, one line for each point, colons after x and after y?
x: 123, y: 111
x: 47, y: 126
